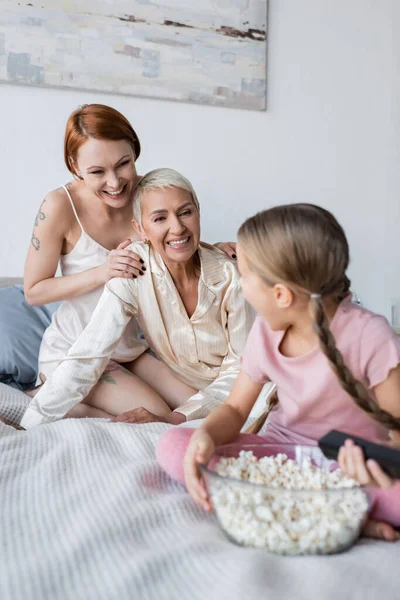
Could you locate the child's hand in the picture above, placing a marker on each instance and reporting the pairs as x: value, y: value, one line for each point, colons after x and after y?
x: 352, y: 462
x: 199, y: 451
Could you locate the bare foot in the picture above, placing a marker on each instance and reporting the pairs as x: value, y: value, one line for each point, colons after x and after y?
x: 380, y: 531
x: 3, y: 420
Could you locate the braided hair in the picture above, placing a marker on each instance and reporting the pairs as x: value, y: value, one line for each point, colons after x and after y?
x: 304, y: 247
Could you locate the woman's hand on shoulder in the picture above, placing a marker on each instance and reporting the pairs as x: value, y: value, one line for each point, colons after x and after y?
x: 122, y: 262
x: 200, y: 450
x: 228, y: 247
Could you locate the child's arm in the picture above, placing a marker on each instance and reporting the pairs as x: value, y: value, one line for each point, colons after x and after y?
x: 225, y: 423
x: 220, y: 427
x: 387, y: 393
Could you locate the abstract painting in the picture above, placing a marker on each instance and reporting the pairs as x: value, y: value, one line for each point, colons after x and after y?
x: 203, y: 51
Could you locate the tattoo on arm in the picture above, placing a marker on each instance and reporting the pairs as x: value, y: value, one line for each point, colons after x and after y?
x: 35, y: 242
x: 39, y: 217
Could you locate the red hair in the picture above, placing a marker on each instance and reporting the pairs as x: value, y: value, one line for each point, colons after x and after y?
x: 100, y: 122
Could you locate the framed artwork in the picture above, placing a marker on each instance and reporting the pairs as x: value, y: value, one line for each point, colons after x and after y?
x: 202, y: 51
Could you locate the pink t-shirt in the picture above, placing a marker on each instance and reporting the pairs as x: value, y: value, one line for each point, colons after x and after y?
x: 311, y: 400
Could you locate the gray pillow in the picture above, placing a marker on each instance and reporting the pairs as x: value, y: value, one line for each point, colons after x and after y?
x: 21, y: 331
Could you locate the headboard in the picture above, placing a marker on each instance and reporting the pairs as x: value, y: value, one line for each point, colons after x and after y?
x: 6, y: 281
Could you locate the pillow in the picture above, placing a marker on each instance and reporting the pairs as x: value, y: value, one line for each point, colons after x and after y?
x: 21, y: 331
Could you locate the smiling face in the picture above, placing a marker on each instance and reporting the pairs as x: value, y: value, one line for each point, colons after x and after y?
x: 171, y: 223
x: 108, y: 169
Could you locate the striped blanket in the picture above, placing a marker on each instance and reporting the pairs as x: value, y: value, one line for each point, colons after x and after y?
x: 87, y: 514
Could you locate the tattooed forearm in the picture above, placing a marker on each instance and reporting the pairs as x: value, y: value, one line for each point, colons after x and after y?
x: 39, y: 217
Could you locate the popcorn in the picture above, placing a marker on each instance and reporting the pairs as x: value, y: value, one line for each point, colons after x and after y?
x: 306, y: 510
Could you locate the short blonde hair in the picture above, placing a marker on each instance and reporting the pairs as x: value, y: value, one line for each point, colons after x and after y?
x: 159, y: 179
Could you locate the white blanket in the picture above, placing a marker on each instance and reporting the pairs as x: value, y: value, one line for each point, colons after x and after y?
x: 87, y: 514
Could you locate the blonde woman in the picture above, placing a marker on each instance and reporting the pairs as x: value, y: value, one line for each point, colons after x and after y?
x: 335, y: 364
x: 189, y: 306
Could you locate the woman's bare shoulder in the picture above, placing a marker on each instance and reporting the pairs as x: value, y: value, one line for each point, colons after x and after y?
x: 57, y: 205
x: 57, y: 197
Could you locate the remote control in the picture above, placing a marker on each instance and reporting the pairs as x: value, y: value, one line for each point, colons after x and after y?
x: 388, y: 458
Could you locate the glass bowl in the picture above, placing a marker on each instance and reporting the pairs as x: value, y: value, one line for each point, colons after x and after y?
x: 282, y: 520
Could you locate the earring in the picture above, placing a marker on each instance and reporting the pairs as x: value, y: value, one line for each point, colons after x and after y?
x: 147, y: 241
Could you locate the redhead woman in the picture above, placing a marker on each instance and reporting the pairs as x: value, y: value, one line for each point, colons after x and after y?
x: 189, y: 306
x: 85, y: 227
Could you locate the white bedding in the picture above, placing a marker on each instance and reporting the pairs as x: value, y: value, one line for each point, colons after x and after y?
x: 86, y: 514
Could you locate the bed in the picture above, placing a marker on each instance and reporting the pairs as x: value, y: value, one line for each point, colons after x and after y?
x: 86, y: 513
x: 7, y: 281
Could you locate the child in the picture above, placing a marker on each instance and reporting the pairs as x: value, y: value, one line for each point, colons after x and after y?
x: 335, y: 364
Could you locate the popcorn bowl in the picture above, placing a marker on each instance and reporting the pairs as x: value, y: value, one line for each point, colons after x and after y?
x: 308, y: 505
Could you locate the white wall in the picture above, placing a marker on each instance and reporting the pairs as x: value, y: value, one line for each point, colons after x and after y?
x: 330, y: 136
